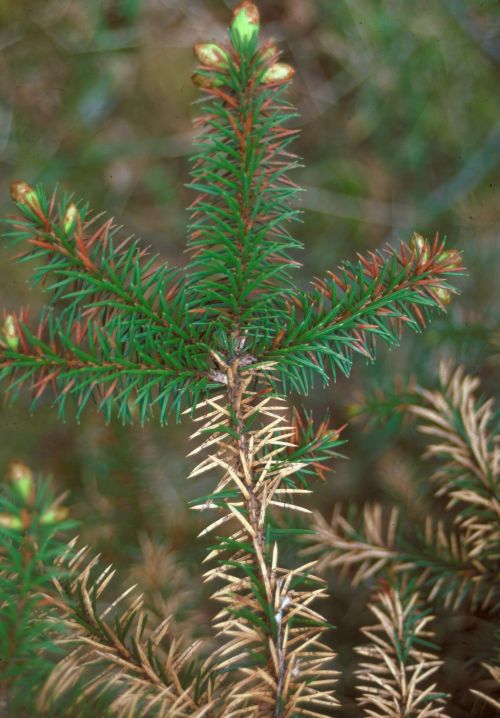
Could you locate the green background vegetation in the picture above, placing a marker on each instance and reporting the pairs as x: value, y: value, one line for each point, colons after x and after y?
x: 400, y: 108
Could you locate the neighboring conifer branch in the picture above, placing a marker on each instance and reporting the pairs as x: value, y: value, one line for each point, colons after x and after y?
x: 113, y: 659
x: 380, y: 405
x: 361, y: 545
x: 168, y: 587
x: 368, y: 542
x: 462, y: 430
x: 30, y: 521
x: 273, y: 636
x: 394, y: 677
x: 457, y: 566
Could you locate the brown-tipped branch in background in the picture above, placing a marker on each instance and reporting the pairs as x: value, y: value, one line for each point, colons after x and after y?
x: 463, y: 438
x: 113, y: 658
x: 397, y: 665
x: 453, y: 562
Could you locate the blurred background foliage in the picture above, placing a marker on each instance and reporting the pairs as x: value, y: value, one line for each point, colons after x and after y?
x: 400, y: 108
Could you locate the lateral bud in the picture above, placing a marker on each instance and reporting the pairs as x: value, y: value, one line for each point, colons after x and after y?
x: 9, y: 332
x: 246, y: 21
x: 22, y: 193
x: 11, y: 522
x: 443, y: 295
x: 70, y: 217
x: 419, y: 246
x: 211, y: 54
x: 278, y: 73
x: 21, y: 477
x: 54, y: 516
x: 269, y: 52
x: 451, y: 257
x: 205, y: 81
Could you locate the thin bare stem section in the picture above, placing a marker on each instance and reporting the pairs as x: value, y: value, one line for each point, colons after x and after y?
x: 272, y: 635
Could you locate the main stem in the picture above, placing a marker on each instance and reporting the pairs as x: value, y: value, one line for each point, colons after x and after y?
x: 273, y: 645
x: 237, y: 385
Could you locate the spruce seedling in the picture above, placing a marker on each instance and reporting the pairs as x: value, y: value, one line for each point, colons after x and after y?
x: 226, y: 339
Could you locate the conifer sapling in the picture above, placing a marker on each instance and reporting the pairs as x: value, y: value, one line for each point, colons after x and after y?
x: 226, y: 339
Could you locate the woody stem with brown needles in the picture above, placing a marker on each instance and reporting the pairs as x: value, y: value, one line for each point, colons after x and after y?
x: 237, y: 385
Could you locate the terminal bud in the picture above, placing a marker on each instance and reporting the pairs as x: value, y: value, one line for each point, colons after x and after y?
x: 246, y: 21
